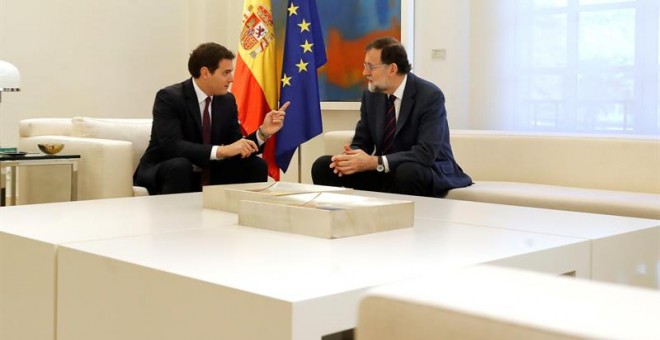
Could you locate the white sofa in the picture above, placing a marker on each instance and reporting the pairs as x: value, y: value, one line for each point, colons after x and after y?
x: 617, y: 175
x: 110, y: 150
x: 485, y: 302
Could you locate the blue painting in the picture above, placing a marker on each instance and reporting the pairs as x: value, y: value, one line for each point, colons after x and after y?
x: 348, y: 26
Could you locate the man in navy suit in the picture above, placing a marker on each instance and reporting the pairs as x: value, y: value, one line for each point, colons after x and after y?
x: 196, y: 138
x: 401, y: 143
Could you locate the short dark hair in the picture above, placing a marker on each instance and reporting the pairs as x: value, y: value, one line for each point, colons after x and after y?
x: 209, y: 55
x: 392, y: 52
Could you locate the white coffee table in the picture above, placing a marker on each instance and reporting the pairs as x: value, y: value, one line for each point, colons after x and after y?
x: 146, y: 230
x: 624, y: 250
x: 234, y: 282
x: 30, y: 235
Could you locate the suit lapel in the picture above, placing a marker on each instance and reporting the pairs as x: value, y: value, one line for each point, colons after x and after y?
x: 406, y: 103
x: 380, y: 107
x: 216, y: 118
x: 192, y: 104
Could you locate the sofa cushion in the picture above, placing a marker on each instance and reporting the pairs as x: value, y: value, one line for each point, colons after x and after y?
x: 335, y: 140
x: 136, y: 131
x: 621, y: 163
x: 44, y: 127
x: 622, y: 203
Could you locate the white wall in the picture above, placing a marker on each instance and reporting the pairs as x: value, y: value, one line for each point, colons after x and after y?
x: 492, y: 38
x: 445, y: 25
x: 89, y: 58
x: 103, y: 58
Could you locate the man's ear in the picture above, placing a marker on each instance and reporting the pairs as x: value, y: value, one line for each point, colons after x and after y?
x: 394, y: 68
x: 204, y: 72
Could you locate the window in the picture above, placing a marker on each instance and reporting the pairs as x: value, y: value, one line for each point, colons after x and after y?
x: 588, y: 66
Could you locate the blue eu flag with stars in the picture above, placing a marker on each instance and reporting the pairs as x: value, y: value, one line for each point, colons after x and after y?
x: 304, y: 52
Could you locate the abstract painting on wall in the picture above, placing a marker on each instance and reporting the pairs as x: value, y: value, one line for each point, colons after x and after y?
x: 348, y: 26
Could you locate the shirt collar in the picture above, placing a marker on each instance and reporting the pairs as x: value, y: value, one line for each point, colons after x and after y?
x: 399, y: 90
x: 201, y: 96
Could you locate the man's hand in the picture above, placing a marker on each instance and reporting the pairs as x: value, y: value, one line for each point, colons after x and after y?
x: 274, y: 120
x: 243, y: 147
x: 352, y: 161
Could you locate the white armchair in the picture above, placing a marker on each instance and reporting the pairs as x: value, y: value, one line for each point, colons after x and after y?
x: 110, y: 150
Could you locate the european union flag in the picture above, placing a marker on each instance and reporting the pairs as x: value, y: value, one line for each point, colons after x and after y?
x: 304, y: 52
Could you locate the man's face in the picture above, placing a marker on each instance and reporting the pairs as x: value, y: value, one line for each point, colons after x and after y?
x: 376, y: 72
x: 218, y: 82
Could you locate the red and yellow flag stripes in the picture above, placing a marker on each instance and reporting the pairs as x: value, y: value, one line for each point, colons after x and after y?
x: 256, y: 82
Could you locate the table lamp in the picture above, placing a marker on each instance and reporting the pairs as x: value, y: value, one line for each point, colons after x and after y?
x: 10, y: 78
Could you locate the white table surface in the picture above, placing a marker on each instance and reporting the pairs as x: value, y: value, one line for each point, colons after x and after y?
x: 447, y: 233
x: 556, y: 222
x: 57, y: 223
x: 30, y: 235
x: 317, y: 281
x: 300, y: 267
x: 625, y: 250
x: 309, y: 277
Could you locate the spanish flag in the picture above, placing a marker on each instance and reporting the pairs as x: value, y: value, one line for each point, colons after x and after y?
x: 256, y: 81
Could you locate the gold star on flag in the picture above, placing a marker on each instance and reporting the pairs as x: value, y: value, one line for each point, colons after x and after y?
x: 286, y: 80
x: 292, y: 10
x: 304, y: 26
x: 307, y: 47
x: 302, y: 66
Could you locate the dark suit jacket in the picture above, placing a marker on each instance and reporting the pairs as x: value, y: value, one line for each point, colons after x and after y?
x: 422, y: 132
x: 177, y: 129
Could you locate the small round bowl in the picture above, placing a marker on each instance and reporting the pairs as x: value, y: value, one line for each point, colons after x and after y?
x: 51, y: 149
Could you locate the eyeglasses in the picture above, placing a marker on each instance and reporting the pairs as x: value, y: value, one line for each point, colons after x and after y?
x: 372, y: 67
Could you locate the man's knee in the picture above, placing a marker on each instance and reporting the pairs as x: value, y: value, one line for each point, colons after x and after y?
x: 412, y: 179
x: 174, y: 176
x: 256, y: 169
x: 260, y: 167
x: 176, y: 167
x: 407, y: 171
x: 321, y: 169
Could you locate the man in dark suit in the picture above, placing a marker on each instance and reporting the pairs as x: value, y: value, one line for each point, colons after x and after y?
x: 401, y: 143
x: 196, y: 138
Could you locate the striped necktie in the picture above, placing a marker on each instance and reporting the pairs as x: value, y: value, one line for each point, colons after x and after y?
x: 390, y: 126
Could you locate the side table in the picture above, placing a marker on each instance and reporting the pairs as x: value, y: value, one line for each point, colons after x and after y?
x: 14, y: 161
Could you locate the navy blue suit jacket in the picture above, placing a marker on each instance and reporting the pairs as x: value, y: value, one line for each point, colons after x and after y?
x: 422, y: 132
x: 177, y: 128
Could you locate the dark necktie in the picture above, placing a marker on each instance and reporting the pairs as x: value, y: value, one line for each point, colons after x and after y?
x: 206, y: 123
x: 390, y: 126
x: 206, y: 138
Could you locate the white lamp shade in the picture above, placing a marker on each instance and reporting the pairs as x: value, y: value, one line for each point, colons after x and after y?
x: 10, y: 78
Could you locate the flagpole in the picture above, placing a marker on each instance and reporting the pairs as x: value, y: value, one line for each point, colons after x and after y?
x: 300, y: 163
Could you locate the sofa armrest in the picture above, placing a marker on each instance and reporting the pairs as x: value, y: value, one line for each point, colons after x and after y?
x: 105, y: 168
x: 335, y: 140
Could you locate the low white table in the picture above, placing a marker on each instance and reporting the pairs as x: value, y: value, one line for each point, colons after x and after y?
x: 138, y: 237
x: 625, y: 250
x: 30, y: 235
x: 234, y: 282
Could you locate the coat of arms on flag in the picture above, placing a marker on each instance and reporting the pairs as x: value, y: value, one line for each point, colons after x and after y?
x: 257, y: 30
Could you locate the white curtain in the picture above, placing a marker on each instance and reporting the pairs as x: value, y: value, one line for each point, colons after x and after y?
x: 565, y: 65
